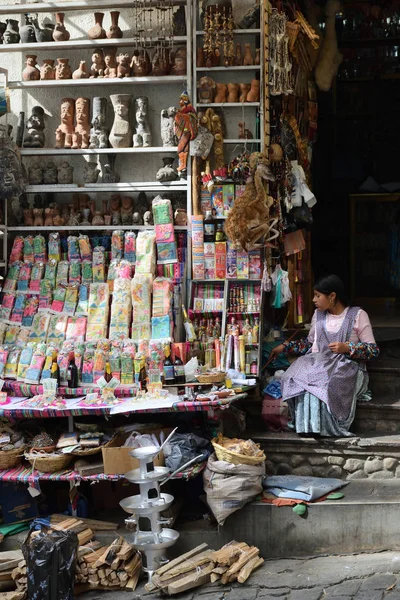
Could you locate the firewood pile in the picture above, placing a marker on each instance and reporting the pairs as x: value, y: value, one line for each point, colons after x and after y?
x: 234, y: 562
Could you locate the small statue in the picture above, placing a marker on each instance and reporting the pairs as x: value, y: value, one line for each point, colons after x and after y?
x: 185, y: 130
x: 65, y: 173
x: 136, y: 218
x: 167, y: 126
x: 63, y: 69
x: 179, y: 62
x: 48, y: 215
x: 47, y: 71
x: 73, y: 218
x: 244, y: 133
x: 142, y: 136
x: 38, y: 217
x: 91, y: 172
x: 121, y: 132
x: 180, y: 217
x: 140, y: 63
x: 80, y: 138
x: 99, y: 132
x: 115, y: 204
x: 167, y: 172
x: 86, y: 215
x: 110, y: 70
x: 57, y: 218
x: 160, y: 64
x: 108, y: 174
x: 98, y: 64
x: 35, y: 138
x: 97, y: 219
x: 65, y: 130
x: 126, y: 210
x: 28, y: 217
x: 35, y: 174
x: 206, y: 89
x: 148, y: 218
x: 123, y: 69
x: 31, y: 72
x: 81, y: 71
x: 50, y: 174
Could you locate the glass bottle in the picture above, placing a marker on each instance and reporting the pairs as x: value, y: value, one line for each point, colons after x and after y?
x: 256, y: 328
x: 217, y: 328
x: 108, y: 373
x: 190, y: 332
x: 254, y: 367
x: 55, y: 370
x: 220, y: 234
x: 179, y: 369
x: 72, y: 372
x: 209, y: 227
x: 210, y: 356
x: 169, y: 374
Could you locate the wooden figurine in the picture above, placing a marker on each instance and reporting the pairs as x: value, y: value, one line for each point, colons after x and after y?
x: 254, y: 93
x: 186, y: 127
x: 248, y: 57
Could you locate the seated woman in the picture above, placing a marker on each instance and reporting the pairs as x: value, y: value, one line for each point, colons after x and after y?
x: 322, y: 386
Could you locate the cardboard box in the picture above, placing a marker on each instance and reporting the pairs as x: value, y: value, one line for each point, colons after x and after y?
x: 117, y: 460
x: 17, y: 504
x: 220, y: 260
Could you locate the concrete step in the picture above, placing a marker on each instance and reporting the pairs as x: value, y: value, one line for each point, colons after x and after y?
x: 384, y: 380
x: 367, y: 456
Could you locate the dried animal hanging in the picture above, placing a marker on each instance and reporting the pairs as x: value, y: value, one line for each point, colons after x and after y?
x: 213, y: 123
x: 218, y: 35
x: 280, y: 65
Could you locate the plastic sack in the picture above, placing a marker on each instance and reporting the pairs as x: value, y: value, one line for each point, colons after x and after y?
x: 50, y: 562
x: 183, y: 447
x: 230, y: 487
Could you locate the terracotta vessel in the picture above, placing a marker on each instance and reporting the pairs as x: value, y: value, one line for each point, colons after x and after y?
x: 43, y: 34
x: 244, y: 90
x: 238, y: 55
x: 248, y: 57
x: 200, y: 58
x: 257, y: 59
x: 99, y: 131
x: 168, y: 126
x: 98, y: 64
x: 65, y: 130
x: 80, y: 138
x: 81, y: 72
x: 34, y: 137
x: 140, y: 63
x: 142, y: 136
x: 222, y: 91
x: 31, y: 72
x: 97, y: 219
x: 60, y: 33
x: 114, y: 31
x: 63, y: 70
x: 47, y: 69
x: 160, y: 64
x: 254, y: 93
x: 11, y: 34
x: 123, y: 62
x: 97, y: 32
x: 121, y: 132
x: 110, y: 62
x: 233, y: 92
x: 27, y: 31
x: 179, y: 62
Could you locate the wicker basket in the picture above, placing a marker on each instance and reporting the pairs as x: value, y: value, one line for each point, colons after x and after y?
x: 234, y: 457
x: 48, y: 463
x: 11, y: 458
x: 211, y: 378
x: 91, y: 451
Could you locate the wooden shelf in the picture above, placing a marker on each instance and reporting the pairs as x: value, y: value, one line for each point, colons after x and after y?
x: 78, y: 44
x: 231, y: 68
x: 90, y: 228
x: 20, y: 85
x: 108, y: 187
x: 69, y: 152
x: 75, y: 5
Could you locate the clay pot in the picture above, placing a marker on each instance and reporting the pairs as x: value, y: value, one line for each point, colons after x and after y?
x: 97, y: 219
x: 63, y: 70
x: 81, y: 72
x: 27, y: 32
x: 233, y: 92
x: 97, y: 32
x: 200, y: 58
x: 140, y: 63
x: 248, y: 57
x: 11, y: 34
x: 238, y: 55
x: 257, y: 59
x: 114, y: 31
x: 254, y: 93
x: 47, y: 69
x: 60, y: 34
x: 43, y: 34
x: 244, y: 90
x: 222, y: 91
x: 31, y: 72
x: 3, y: 27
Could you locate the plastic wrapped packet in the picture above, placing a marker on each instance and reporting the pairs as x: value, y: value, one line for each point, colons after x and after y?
x: 112, y: 274
x: 141, y: 289
x: 63, y: 360
x: 51, y: 271
x: 46, y: 371
x: 83, y: 300
x: 18, y: 309
x: 46, y: 293
x: 40, y: 326
x: 73, y: 248
x: 145, y: 252
x: 87, y: 272
x: 117, y: 245
x: 7, y: 306
x: 162, y: 296
x: 87, y: 366
x: 75, y: 272
x: 11, y: 335
x: 25, y: 360
x: 162, y: 211
x: 98, y: 311
x: 10, y: 284
x: 29, y: 254
x: 30, y: 310
x: 23, y: 337
x: 39, y: 249
x: 127, y: 369
x: 76, y: 328
x: 54, y: 246
x: 62, y: 273
x: 124, y: 270
x: 3, y: 329
x: 10, y: 370
x: 85, y: 247
x: 37, y: 363
x: 130, y: 247
x: 37, y: 274
x: 58, y: 299
x: 99, y: 364
x: 24, y: 277
x: 17, y: 250
x: 3, y: 358
x: 71, y: 299
x: 57, y: 328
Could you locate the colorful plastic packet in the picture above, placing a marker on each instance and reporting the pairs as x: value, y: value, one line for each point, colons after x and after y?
x: 50, y: 271
x: 73, y: 248
x: 145, y: 252
x: 97, y: 311
x: 35, y: 368
x: 10, y: 370
x: 87, y: 367
x: 75, y: 272
x: 25, y: 360
x: 83, y: 300
x: 46, y: 371
x: 29, y: 254
x: 127, y: 370
x: 87, y: 272
x: 3, y: 358
x: 130, y: 247
x: 162, y: 296
x: 99, y: 261
x: 141, y: 331
x: 117, y: 244
x: 63, y: 361
x: 18, y: 309
x: 40, y: 326
x: 99, y: 364
x: 124, y: 270
x: 39, y: 249
x: 62, y: 273
x: 54, y: 246
x: 162, y: 211
x: 37, y: 274
x: 57, y: 329
x: 76, y: 328
x: 3, y: 329
x: 11, y: 335
x: 58, y: 299
x: 121, y: 309
x: 160, y: 327
x: 10, y: 284
x: 112, y: 274
x: 24, y: 277
x: 7, y: 306
x: 71, y: 299
x: 17, y: 250
x: 22, y: 337
x: 167, y: 253
x: 85, y: 248
x: 30, y: 310
x: 45, y: 297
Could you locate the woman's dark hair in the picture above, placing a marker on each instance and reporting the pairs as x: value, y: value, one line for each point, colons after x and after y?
x: 332, y: 283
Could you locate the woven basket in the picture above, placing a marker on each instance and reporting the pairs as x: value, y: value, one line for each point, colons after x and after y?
x: 48, y: 463
x: 211, y: 378
x: 91, y: 451
x: 234, y: 457
x: 11, y: 458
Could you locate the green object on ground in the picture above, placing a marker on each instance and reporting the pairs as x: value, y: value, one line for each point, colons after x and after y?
x: 15, y: 528
x: 335, y: 496
x: 300, y: 509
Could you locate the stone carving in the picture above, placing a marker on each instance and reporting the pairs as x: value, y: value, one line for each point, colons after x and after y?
x: 60, y: 33
x: 27, y: 31
x: 65, y: 173
x: 34, y: 137
x: 114, y: 31
x: 110, y: 70
x: 140, y: 63
x: 73, y: 218
x: 80, y: 138
x: 98, y: 64
x: 167, y: 126
x: 31, y: 72
x: 126, y: 210
x: 86, y: 215
x: 35, y: 174
x: 65, y: 130
x: 97, y: 32
x: 123, y: 69
x: 81, y: 72
x: 136, y: 218
x: 11, y: 34
x: 91, y: 172
x: 50, y: 174
x: 63, y: 70
x: 179, y: 62
x: 167, y: 172
x: 108, y: 173
x: 148, y: 218
x: 121, y: 132
x: 99, y: 131
x: 142, y: 135
x: 47, y: 69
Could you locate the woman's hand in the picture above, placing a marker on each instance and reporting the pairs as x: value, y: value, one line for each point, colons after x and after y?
x: 275, y: 351
x: 339, y: 348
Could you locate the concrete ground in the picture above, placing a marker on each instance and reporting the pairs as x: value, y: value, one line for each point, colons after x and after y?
x: 374, y: 576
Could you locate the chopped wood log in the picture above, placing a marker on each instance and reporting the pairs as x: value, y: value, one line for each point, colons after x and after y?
x: 85, y: 536
x: 249, y: 568
x: 6, y: 576
x: 215, y: 577
x: 181, y: 559
x: 229, y: 553
x: 93, y: 524
x: 188, y: 565
x: 220, y: 570
x: 201, y: 576
x: 243, y: 560
x: 9, y: 560
x: 134, y: 564
x: 12, y: 595
x: 126, y: 552
x: 95, y: 556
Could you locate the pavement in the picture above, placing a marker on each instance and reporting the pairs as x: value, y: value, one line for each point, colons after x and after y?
x: 372, y: 576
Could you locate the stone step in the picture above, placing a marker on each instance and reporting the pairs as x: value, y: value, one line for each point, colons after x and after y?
x: 368, y: 456
x: 384, y: 380
x: 377, y: 417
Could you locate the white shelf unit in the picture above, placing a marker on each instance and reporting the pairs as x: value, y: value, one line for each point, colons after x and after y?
x: 115, y: 81
x: 88, y: 151
x: 75, y: 5
x: 90, y: 228
x: 79, y: 44
x: 232, y: 68
x: 139, y: 186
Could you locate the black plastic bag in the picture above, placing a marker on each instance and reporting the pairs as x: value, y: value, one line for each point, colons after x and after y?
x: 50, y: 562
x: 184, y: 447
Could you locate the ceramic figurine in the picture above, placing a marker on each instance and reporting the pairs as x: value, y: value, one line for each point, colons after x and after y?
x: 35, y: 174
x: 98, y: 64
x: 80, y: 138
x: 167, y: 126
x: 167, y: 172
x: 50, y: 174
x: 27, y: 31
x: 248, y: 57
x: 123, y: 61
x: 47, y: 71
x: 221, y: 93
x: 160, y: 64
x: 63, y: 70
x: 20, y: 129
x: 91, y: 172
x: 28, y: 217
x: 108, y: 173
x: 31, y: 72
x: 121, y: 132
x: 185, y: 130
x: 244, y: 90
x: 180, y: 217
x: 142, y: 136
x: 48, y: 215
x: 140, y: 63
x: 42, y: 34
x: 244, y: 133
x: 97, y: 32
x: 115, y: 209
x: 34, y: 137
x: 99, y: 132
x: 65, y: 130
x: 114, y: 31
x: 200, y: 58
x: 179, y: 62
x: 60, y: 34
x: 206, y: 90
x: 65, y: 173
x: 238, y: 55
x: 110, y: 70
x: 73, y: 219
x: 126, y: 210
x: 97, y: 219
x: 137, y: 218
x: 38, y: 220
x: 179, y: 21
x: 233, y: 92
x: 57, y: 218
x: 11, y: 34
x: 86, y: 215
x: 81, y: 72
x: 254, y: 93
x: 148, y: 218
x: 3, y: 27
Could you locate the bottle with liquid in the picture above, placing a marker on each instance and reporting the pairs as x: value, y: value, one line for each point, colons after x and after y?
x: 220, y: 234
x: 55, y: 370
x: 254, y: 367
x: 179, y: 369
x: 169, y: 375
x: 108, y: 373
x: 190, y: 332
x: 72, y: 372
x: 209, y: 227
